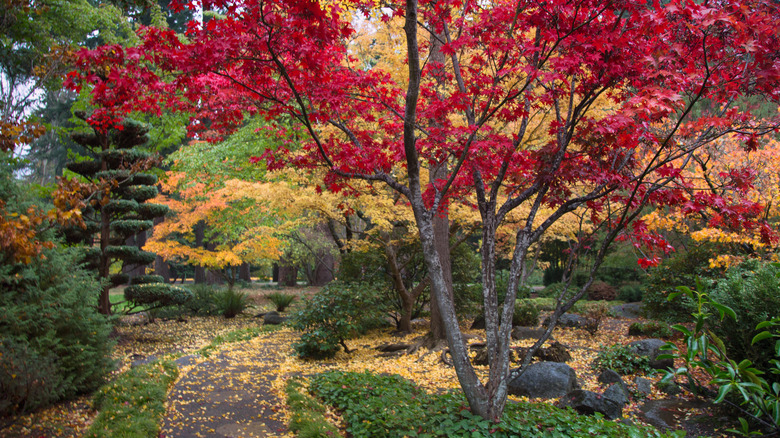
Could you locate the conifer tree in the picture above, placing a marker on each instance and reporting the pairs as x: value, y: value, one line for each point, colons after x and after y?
x: 118, y: 209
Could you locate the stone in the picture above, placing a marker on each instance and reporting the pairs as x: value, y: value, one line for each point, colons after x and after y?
x: 609, y: 376
x: 667, y: 414
x: 569, y: 320
x: 556, y: 352
x: 668, y: 388
x: 521, y: 333
x: 643, y: 386
x: 588, y: 403
x: 544, y: 380
x: 652, y: 348
x: 618, y: 393
x: 273, y: 318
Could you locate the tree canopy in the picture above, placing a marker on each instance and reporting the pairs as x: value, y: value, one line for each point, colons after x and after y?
x: 624, y: 92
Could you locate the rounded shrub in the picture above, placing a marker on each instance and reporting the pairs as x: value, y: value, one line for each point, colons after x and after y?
x: 630, y: 292
x: 526, y: 314
x: 157, y: 293
x: 335, y: 314
x: 53, y: 343
x: 600, y: 291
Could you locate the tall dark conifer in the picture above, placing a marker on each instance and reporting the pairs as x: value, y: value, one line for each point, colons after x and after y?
x: 118, y: 210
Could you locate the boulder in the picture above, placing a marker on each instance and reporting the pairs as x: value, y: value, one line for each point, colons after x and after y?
x: 668, y: 388
x: 618, y: 393
x: 273, y: 318
x: 609, y: 376
x: 569, y: 320
x: 652, y: 348
x: 588, y: 403
x: 544, y: 380
x: 521, y: 333
x: 556, y: 352
x: 643, y: 386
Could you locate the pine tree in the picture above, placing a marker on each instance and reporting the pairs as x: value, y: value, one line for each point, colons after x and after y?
x: 118, y: 209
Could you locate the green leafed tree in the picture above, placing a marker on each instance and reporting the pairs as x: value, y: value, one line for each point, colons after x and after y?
x: 117, y: 209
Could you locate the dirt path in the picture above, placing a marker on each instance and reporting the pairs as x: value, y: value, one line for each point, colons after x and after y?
x: 229, y: 394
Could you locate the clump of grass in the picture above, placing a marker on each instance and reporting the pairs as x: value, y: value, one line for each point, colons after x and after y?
x: 280, y: 300
x: 231, y: 302
x: 134, y: 403
x: 308, y: 414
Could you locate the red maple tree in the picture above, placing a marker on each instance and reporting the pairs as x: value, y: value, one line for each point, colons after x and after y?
x: 624, y: 91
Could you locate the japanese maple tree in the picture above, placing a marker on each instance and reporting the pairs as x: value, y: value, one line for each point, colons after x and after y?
x: 627, y: 92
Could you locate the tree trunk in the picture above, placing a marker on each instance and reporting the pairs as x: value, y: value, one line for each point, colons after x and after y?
x: 288, y: 272
x: 200, y: 231
x: 245, y: 272
x: 138, y: 241
x: 161, y: 268
x: 323, y: 269
x: 441, y: 232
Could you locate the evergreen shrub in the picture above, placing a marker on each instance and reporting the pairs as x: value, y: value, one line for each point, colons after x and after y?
x: 53, y: 343
x: 335, y: 314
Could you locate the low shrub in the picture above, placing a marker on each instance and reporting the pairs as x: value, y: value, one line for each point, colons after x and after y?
x: 159, y: 294
x: 621, y: 359
x: 280, y: 300
x: 335, y: 314
x: 390, y: 406
x: 630, y: 293
x: 53, y: 343
x: 751, y: 291
x: 526, y: 314
x: 231, y: 302
x: 652, y: 329
x: 134, y: 403
x: 203, y: 301
x: 600, y: 291
x: 554, y: 291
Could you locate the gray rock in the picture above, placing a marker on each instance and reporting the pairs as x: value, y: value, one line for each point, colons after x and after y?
x: 668, y: 388
x: 479, y: 323
x: 618, y: 393
x: 643, y: 386
x: 588, y: 403
x: 545, y: 380
x: 273, y: 318
x: 610, y: 376
x: 521, y: 333
x: 569, y: 320
x: 652, y: 348
x: 666, y: 414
